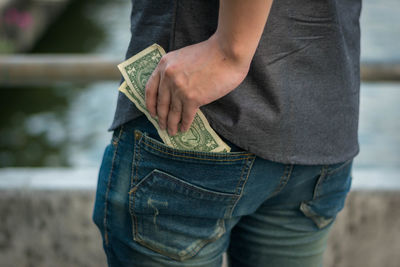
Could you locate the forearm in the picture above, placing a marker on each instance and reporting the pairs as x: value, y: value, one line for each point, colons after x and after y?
x: 240, y: 26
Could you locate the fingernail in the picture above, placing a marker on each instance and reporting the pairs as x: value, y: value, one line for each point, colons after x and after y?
x: 172, y: 133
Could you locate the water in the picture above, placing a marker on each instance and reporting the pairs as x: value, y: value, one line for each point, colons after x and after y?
x: 379, y: 109
x: 66, y: 125
x: 380, y: 30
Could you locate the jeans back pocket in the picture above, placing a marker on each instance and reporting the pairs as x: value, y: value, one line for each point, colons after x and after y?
x: 330, y: 193
x: 174, y: 217
x: 179, y: 200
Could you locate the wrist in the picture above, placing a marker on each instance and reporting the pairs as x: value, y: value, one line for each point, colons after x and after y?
x: 236, y: 52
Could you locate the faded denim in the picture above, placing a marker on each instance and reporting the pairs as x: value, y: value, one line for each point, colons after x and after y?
x: 158, y: 206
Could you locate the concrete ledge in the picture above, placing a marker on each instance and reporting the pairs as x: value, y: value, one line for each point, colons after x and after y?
x: 48, y: 228
x: 49, y: 178
x: 86, y: 178
x: 367, y: 231
x: 51, y: 226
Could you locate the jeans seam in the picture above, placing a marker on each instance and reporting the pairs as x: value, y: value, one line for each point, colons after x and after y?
x: 133, y: 216
x: 241, y: 176
x: 133, y: 169
x: 108, y: 187
x: 324, y: 173
x: 132, y: 191
x: 283, y: 180
x: 286, y: 179
x: 249, y: 166
x: 136, y: 166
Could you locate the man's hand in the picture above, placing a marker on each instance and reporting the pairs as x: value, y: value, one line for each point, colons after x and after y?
x: 189, y: 78
x: 196, y: 75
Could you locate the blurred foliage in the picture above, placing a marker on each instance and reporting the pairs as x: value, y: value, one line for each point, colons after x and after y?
x: 75, y: 31
x: 22, y: 143
x: 19, y: 145
x: 6, y: 47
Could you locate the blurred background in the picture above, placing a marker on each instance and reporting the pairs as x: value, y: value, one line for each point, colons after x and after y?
x: 59, y: 124
x: 53, y: 132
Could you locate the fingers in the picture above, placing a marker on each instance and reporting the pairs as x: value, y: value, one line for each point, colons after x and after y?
x: 174, y: 115
x: 163, y: 104
x: 170, y: 110
x: 188, y: 114
x: 164, y: 99
x: 151, y: 92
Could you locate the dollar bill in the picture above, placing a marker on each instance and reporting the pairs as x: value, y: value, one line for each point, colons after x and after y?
x: 136, y: 71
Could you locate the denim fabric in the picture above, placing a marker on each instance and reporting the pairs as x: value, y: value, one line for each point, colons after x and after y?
x: 158, y: 206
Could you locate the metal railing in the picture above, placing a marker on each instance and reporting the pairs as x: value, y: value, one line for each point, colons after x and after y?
x: 21, y: 70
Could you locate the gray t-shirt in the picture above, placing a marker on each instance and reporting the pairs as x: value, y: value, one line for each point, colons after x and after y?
x: 299, y: 103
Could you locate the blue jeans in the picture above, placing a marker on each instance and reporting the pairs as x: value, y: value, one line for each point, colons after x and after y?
x: 158, y: 206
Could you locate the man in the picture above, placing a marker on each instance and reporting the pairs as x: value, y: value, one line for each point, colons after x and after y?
x: 279, y: 82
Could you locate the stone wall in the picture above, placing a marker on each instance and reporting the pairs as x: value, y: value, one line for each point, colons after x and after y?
x: 367, y: 231
x: 48, y: 228
x: 44, y: 228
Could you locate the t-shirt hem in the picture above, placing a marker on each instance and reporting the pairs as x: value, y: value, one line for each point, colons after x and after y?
x: 291, y: 159
x: 262, y: 154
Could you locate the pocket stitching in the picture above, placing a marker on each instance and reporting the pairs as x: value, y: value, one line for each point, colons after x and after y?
x: 137, y: 162
x: 189, y: 253
x: 201, y: 244
x: 191, y: 157
x: 146, y: 140
x: 320, y: 220
x: 185, y: 184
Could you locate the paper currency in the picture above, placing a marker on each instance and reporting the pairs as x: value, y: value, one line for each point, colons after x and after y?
x: 136, y: 71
